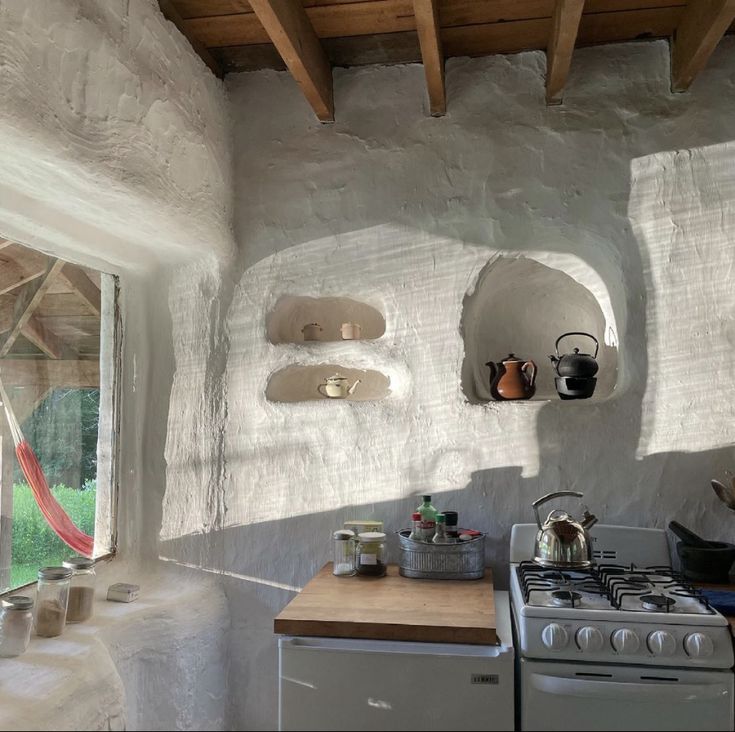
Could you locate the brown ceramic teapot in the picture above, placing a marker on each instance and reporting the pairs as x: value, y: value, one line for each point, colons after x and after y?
x: 510, y: 378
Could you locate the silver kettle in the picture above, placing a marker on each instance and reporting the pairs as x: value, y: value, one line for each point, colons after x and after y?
x: 561, y: 541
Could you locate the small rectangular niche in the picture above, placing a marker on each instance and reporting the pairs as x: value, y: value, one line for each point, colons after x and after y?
x: 288, y: 321
x: 301, y: 384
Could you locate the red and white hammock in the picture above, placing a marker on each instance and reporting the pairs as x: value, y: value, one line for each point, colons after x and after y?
x: 54, y: 514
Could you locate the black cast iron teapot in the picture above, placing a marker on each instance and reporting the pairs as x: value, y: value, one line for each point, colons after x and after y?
x: 575, y: 365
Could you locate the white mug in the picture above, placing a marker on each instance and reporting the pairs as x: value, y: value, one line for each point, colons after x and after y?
x: 351, y: 331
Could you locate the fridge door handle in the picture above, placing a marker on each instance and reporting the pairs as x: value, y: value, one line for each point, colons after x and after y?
x: 645, y: 691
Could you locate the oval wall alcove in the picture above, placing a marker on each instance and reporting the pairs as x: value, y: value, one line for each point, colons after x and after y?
x: 300, y: 384
x: 284, y: 324
x: 521, y: 306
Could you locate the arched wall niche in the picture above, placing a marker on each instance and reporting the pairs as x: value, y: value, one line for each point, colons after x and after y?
x: 521, y: 306
x: 299, y: 383
x: 291, y: 313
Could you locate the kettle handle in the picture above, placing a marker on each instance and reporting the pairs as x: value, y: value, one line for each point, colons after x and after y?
x: 493, y: 370
x: 532, y: 366
x: 549, y: 496
x: 577, y: 332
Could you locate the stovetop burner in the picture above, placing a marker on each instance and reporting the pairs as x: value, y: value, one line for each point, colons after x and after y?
x: 564, y: 598
x: 657, y: 602
x: 611, y: 587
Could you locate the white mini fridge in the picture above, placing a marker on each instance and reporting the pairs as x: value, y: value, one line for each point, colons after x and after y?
x: 342, y: 684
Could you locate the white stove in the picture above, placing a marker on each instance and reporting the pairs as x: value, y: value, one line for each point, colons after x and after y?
x: 629, y: 635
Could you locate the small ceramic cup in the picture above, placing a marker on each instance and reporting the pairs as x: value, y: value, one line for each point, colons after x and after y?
x: 311, y: 331
x: 351, y: 331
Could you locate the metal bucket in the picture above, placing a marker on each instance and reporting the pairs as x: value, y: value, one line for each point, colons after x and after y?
x: 463, y: 561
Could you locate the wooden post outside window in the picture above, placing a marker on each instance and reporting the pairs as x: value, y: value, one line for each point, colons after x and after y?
x: 7, y: 456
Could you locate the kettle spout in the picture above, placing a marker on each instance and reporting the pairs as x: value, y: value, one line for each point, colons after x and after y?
x: 351, y: 390
x: 555, y: 362
x: 588, y: 520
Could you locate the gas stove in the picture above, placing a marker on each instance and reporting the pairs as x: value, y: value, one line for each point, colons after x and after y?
x: 625, y: 644
x: 624, y: 609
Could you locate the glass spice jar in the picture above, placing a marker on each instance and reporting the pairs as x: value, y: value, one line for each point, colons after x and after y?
x: 81, y: 592
x: 344, y: 553
x: 52, y: 600
x: 371, y: 560
x: 16, y: 623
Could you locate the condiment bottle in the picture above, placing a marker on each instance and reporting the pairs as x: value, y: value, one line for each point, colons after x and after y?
x: 371, y: 554
x: 428, y: 518
x: 440, y: 537
x: 417, y: 533
x: 52, y: 600
x: 16, y: 623
x: 452, y: 521
x: 344, y: 553
x: 81, y: 592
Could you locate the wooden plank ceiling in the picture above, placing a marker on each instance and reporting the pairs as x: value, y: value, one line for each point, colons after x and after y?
x: 308, y: 37
x: 49, y: 324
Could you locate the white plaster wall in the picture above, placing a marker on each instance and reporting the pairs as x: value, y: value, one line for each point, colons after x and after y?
x: 114, y: 138
x: 115, y: 153
x: 404, y: 210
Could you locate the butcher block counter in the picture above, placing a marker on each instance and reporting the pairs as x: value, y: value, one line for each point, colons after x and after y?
x: 392, y: 608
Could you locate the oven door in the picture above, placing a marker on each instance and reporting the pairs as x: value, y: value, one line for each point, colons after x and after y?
x: 565, y: 696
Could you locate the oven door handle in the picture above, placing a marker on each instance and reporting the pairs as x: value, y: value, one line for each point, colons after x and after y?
x: 646, y: 690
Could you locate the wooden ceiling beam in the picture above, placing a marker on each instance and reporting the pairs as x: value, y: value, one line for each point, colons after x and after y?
x: 26, y: 302
x: 67, y: 373
x: 564, y: 29
x: 700, y: 29
x: 291, y: 32
x: 427, y: 26
x: 12, y: 276
x: 172, y: 14
x: 83, y: 286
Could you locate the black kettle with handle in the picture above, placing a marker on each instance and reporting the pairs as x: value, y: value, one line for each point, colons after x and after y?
x: 575, y: 371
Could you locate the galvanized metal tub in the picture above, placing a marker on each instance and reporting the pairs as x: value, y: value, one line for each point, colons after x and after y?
x: 463, y: 561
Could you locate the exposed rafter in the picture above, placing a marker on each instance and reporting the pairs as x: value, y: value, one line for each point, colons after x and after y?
x: 12, y: 276
x: 564, y: 29
x: 71, y: 374
x: 427, y: 26
x: 83, y: 286
x: 170, y: 13
x: 700, y: 29
x: 291, y: 32
x: 28, y: 299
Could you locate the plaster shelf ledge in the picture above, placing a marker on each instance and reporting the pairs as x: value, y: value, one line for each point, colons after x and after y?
x: 90, y: 677
x: 286, y: 321
x: 299, y: 383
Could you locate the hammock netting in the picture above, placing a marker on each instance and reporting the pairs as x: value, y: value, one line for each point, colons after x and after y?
x: 54, y: 514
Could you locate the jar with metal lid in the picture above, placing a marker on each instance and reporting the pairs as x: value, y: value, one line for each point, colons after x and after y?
x: 52, y: 600
x: 16, y: 623
x: 371, y: 554
x: 344, y: 553
x: 81, y: 593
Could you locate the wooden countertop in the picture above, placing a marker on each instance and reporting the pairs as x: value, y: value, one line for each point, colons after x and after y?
x: 393, y: 608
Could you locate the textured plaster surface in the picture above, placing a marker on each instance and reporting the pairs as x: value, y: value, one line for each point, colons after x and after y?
x: 114, y: 138
x: 404, y: 212
x: 159, y: 663
x: 115, y: 153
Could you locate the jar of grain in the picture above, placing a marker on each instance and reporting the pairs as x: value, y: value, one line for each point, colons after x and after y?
x: 16, y: 623
x: 81, y: 593
x: 52, y: 600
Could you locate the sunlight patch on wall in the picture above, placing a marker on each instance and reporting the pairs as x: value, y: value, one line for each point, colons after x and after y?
x: 682, y: 207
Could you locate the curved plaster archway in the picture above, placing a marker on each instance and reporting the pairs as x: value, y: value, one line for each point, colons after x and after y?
x: 522, y: 306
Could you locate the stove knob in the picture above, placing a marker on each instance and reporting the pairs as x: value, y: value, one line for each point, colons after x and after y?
x: 661, y: 643
x: 699, y: 645
x: 625, y: 641
x: 554, y: 637
x: 590, y: 639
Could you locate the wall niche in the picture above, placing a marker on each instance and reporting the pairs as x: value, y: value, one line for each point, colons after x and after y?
x: 285, y: 323
x: 300, y: 384
x: 521, y: 306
